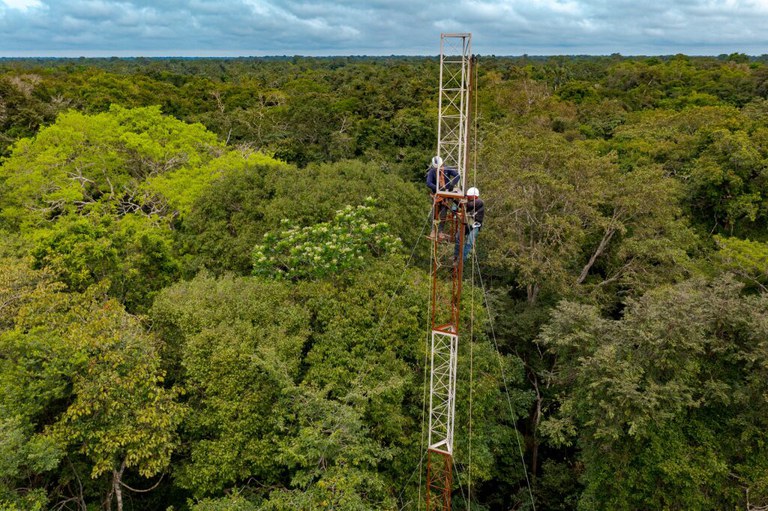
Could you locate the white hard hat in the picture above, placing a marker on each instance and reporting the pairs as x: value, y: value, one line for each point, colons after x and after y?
x: 473, y: 192
x: 437, y: 162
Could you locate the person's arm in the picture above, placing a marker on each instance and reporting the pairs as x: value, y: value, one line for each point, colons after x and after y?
x: 431, y: 184
x: 452, y: 177
x: 479, y: 211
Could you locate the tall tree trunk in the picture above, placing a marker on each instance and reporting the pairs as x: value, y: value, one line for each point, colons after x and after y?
x: 117, y: 479
x: 598, y: 252
x: 536, y: 420
x: 108, y: 501
x: 533, y: 293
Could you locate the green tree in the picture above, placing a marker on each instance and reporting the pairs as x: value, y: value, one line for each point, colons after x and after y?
x: 98, y: 196
x: 665, y: 404
x: 564, y: 211
x: 326, y: 248
x: 240, y: 207
x: 99, y: 164
x: 131, y: 252
x: 547, y: 192
x: 745, y: 258
x: 80, y: 377
x: 239, y: 345
x: 24, y: 451
x: 717, y: 153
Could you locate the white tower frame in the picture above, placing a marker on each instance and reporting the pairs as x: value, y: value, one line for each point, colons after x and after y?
x: 453, y: 106
x: 442, y: 391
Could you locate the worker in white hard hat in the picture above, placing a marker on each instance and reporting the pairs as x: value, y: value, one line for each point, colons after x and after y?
x: 441, y: 179
x: 475, y: 215
x: 438, y: 174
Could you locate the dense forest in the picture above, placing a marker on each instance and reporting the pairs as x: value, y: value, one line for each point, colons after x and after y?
x: 214, y: 284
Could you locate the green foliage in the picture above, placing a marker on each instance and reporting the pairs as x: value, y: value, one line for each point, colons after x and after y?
x: 99, y: 164
x: 345, y: 489
x: 258, y: 400
x: 120, y: 414
x: 132, y: 253
x: 34, y: 500
x: 547, y: 190
x: 558, y: 487
x: 19, y: 450
x: 242, y: 206
x: 570, y: 216
x: 241, y: 342
x: 117, y: 162
x: 183, y: 186
x: 22, y: 110
x: 665, y: 403
x: 80, y: 376
x: 230, y: 503
x: 323, y: 249
x: 22, y: 455
x: 227, y: 220
x: 718, y: 153
x: 97, y: 196
x: 747, y: 259
x: 78, y: 251
x: 333, y: 458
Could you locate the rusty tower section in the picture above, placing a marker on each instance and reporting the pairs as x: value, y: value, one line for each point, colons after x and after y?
x: 449, y: 218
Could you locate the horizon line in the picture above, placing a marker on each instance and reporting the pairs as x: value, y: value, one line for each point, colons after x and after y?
x: 170, y: 55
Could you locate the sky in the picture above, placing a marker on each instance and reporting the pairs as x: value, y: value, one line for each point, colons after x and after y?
x: 207, y: 28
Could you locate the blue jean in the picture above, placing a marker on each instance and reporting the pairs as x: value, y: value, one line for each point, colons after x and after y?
x: 469, y: 241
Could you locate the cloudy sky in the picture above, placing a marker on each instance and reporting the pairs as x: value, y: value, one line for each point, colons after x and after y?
x: 379, y: 27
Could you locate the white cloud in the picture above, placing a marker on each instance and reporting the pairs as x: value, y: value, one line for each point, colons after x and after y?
x: 569, y: 7
x: 309, y: 27
x: 22, y: 5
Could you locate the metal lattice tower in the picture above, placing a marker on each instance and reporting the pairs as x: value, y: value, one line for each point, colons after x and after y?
x: 449, y: 218
x: 453, y: 104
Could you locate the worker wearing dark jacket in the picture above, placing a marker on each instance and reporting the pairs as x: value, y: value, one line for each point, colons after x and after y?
x: 448, y: 177
x: 476, y: 214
